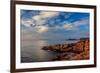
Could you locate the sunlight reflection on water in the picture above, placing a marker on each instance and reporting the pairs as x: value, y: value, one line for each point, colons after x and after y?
x: 31, y: 50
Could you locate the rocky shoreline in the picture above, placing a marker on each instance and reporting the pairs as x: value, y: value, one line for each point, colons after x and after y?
x: 72, y: 51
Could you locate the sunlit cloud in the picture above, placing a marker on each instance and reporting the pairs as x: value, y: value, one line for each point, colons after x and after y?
x: 38, y: 20
x: 41, y: 29
x: 41, y: 18
x: 68, y: 27
x: 48, y: 14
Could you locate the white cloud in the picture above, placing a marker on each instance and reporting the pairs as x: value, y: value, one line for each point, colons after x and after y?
x: 81, y: 22
x: 41, y: 29
x: 68, y: 26
x: 37, y: 17
x: 39, y: 20
x: 42, y: 17
x: 27, y: 22
x: 48, y: 14
x: 75, y: 25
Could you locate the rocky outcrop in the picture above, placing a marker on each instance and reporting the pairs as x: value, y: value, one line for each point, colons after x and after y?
x: 58, y: 47
x: 73, y: 51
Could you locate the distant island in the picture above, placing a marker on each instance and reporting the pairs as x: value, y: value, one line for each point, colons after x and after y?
x: 71, y: 51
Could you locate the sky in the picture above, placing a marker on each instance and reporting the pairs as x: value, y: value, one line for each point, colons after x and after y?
x: 55, y: 24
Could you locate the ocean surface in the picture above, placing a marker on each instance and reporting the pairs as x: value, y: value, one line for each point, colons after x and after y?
x: 31, y: 50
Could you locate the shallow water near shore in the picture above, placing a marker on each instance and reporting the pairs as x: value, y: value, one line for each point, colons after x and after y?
x: 31, y: 50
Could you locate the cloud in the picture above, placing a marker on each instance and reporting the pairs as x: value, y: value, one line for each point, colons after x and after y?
x: 81, y: 22
x: 27, y: 22
x: 44, y: 22
x: 43, y: 16
x: 75, y: 25
x: 68, y: 27
x: 40, y: 21
x: 41, y: 29
x: 65, y: 25
x: 58, y: 20
x: 68, y: 15
x: 48, y: 14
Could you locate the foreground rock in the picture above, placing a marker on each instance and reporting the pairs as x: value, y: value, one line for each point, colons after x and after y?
x: 73, y: 51
x: 58, y: 47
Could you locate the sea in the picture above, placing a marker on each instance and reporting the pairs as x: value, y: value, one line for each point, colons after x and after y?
x: 31, y: 50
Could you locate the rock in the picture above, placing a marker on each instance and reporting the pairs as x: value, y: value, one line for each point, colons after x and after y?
x: 66, y: 56
x: 81, y: 56
x: 73, y: 51
x: 87, y: 44
x: 58, y: 48
x: 78, y: 47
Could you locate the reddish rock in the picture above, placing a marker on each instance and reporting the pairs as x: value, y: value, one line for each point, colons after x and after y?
x: 87, y: 45
x: 78, y: 47
x: 73, y: 51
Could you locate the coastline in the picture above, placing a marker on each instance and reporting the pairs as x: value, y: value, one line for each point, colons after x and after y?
x: 72, y: 51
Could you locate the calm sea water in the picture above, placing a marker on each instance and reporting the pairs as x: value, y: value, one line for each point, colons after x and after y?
x: 31, y: 50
